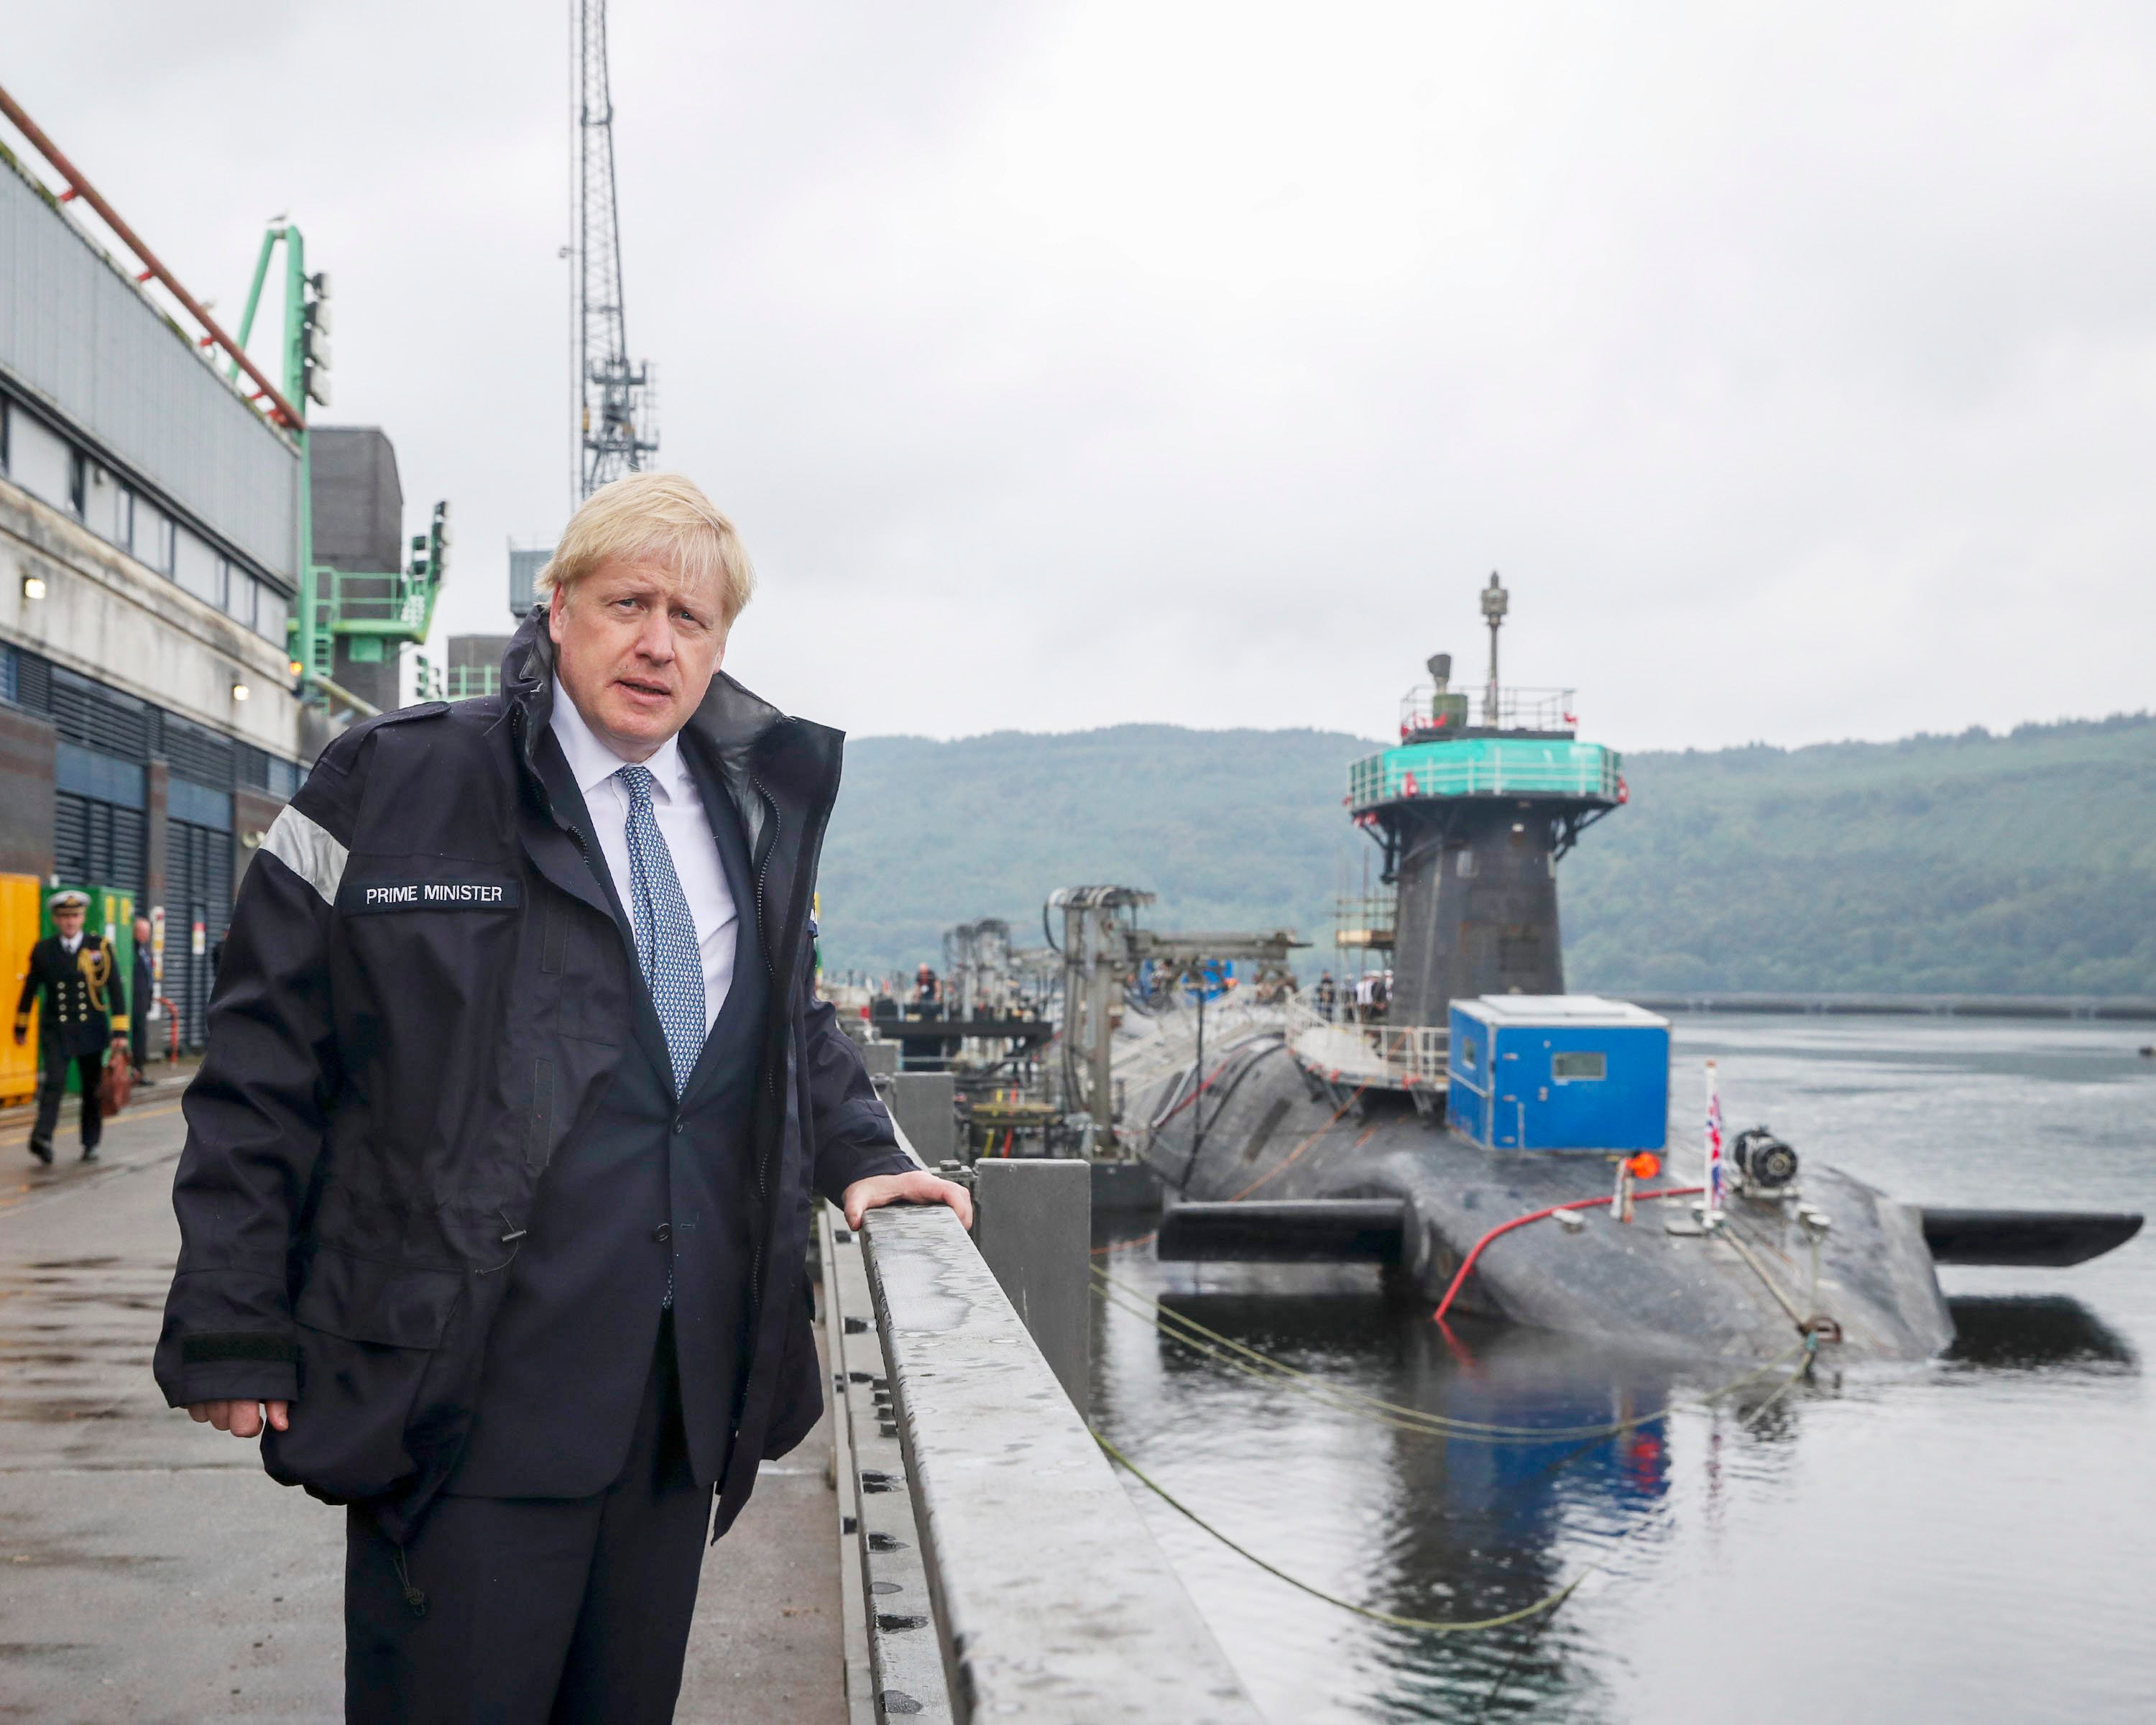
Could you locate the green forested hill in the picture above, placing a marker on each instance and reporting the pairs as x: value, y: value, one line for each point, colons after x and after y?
x: 1232, y: 828
x: 2022, y: 863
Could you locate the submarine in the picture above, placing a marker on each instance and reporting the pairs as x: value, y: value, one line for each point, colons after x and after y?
x: 1497, y: 1145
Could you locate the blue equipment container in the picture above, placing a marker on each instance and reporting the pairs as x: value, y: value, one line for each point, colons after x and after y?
x: 1558, y: 1072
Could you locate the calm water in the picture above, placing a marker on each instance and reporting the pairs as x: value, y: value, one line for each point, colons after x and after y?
x: 1972, y: 1540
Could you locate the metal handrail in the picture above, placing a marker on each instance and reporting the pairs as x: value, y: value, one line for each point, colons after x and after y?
x: 465, y: 681
x: 1383, y: 778
x: 1364, y: 921
x: 376, y: 600
x: 1047, y: 1596
x: 1516, y: 710
x: 1394, y: 1056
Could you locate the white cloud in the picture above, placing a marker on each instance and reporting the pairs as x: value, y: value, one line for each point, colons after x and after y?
x: 1069, y: 365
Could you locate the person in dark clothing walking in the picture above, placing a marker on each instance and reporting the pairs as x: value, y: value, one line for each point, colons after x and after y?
x: 144, y: 994
x: 502, y: 1156
x: 85, y: 1015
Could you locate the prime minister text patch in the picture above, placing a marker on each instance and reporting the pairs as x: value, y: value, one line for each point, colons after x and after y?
x: 359, y: 898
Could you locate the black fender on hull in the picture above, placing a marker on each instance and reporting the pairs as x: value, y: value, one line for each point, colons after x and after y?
x: 2057, y: 1238
x: 1313, y: 1231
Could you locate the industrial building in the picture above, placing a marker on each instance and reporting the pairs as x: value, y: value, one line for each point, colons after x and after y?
x: 149, y: 732
x: 474, y: 665
x: 357, y: 523
x: 164, y: 681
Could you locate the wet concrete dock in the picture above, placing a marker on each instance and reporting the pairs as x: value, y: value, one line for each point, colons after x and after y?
x: 150, y: 1571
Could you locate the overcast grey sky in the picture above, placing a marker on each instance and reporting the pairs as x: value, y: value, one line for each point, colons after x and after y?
x: 1067, y: 365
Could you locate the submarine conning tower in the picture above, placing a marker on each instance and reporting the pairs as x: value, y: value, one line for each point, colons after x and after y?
x: 1473, y: 808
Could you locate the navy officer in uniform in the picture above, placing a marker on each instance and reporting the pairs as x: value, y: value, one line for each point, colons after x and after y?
x: 502, y: 1158
x: 84, y: 1017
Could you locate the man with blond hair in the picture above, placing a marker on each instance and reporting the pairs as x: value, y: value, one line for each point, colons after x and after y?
x: 501, y: 1157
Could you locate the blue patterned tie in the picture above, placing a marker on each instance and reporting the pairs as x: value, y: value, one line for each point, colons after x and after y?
x: 665, y: 931
x: 665, y: 941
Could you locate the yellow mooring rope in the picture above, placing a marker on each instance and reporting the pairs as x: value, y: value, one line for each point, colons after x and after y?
x: 1306, y: 1382
x: 1431, y: 1625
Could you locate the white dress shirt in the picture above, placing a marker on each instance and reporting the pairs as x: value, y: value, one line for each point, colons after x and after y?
x: 679, y: 811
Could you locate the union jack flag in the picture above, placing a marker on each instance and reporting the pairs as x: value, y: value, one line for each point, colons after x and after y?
x: 1714, y: 1164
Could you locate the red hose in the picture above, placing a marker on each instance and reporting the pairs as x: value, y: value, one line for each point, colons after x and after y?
x: 1475, y: 1251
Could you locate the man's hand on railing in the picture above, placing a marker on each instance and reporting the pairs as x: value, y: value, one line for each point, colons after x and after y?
x: 918, y: 1187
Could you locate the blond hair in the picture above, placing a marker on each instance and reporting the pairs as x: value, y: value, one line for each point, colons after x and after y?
x: 660, y: 516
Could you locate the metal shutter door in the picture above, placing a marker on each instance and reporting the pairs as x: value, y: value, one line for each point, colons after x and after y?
x: 197, y: 887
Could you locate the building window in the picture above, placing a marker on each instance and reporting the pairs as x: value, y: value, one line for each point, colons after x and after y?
x: 123, y: 518
x: 1579, y: 1066
x: 197, y: 569
x: 39, y: 459
x: 101, y: 502
x: 78, y: 483
x: 7, y: 411
x: 163, y: 534
x: 270, y: 613
x: 238, y: 600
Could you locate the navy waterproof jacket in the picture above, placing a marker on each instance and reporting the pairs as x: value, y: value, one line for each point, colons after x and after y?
x: 423, y: 996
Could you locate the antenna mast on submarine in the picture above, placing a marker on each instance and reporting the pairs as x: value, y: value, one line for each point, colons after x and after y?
x: 616, y: 425
x: 1495, y: 601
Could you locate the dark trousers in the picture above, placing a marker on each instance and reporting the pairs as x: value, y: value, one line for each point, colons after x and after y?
x: 538, y: 1610
x: 52, y: 1085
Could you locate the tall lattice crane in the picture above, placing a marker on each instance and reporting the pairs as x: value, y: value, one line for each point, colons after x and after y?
x: 617, y: 425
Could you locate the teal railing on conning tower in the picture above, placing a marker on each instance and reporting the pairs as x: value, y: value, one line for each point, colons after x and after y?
x: 1486, y: 767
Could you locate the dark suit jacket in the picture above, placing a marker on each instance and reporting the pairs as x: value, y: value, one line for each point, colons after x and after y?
x: 654, y: 1181
x: 425, y: 996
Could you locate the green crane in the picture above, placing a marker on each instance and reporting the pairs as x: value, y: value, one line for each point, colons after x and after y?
x: 376, y: 610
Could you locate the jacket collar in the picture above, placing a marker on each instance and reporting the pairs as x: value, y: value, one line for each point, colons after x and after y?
x: 744, y: 736
x: 782, y: 772
x: 730, y: 721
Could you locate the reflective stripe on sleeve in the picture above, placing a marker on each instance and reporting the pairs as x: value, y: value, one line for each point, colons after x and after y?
x: 306, y: 848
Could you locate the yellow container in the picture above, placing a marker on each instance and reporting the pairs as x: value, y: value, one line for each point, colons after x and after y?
x: 21, y: 918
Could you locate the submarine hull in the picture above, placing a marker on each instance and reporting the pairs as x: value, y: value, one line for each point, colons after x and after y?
x: 1268, y: 1130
